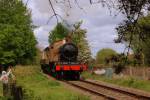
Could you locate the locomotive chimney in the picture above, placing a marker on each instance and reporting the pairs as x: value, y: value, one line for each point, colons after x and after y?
x: 68, y: 38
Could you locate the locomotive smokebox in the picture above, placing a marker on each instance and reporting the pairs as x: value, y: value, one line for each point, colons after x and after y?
x: 68, y: 52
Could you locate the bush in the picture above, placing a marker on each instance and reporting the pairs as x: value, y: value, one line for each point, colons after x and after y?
x: 103, y: 54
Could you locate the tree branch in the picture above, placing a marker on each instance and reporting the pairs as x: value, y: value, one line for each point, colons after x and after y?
x: 69, y: 3
x: 27, y: 2
x: 76, y: 1
x: 53, y: 10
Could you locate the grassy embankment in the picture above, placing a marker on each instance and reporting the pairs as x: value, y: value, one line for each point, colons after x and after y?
x: 122, y: 81
x: 1, y: 90
x: 39, y: 87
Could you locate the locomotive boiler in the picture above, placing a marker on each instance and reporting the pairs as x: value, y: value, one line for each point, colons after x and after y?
x: 60, y: 60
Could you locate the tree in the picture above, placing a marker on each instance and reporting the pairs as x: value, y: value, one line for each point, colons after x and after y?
x: 58, y: 33
x: 140, y: 39
x: 103, y: 54
x: 79, y: 38
x: 17, y: 41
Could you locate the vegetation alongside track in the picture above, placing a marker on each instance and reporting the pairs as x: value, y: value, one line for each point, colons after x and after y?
x: 17, y: 41
x: 122, y: 81
x: 39, y: 87
x: 1, y: 90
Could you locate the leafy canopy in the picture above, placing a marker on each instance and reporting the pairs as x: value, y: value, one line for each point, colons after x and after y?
x: 79, y: 38
x: 58, y: 33
x: 140, y: 39
x: 17, y: 41
x: 103, y: 54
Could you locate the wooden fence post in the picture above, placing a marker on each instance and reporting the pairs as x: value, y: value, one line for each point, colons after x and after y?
x: 18, y: 93
x: 5, y: 89
x: 144, y: 73
x: 130, y: 69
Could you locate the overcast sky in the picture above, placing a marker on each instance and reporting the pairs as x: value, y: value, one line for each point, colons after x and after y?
x: 98, y: 21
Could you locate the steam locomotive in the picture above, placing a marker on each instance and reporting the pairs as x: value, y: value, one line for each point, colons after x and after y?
x: 60, y: 60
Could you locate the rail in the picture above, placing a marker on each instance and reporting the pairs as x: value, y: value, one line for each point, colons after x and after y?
x: 109, y: 92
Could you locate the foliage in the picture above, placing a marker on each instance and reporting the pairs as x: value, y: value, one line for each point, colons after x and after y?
x: 37, y: 57
x: 140, y: 38
x: 17, y: 41
x: 1, y: 93
x: 58, y: 33
x: 103, y: 54
x: 79, y: 38
x: 133, y: 8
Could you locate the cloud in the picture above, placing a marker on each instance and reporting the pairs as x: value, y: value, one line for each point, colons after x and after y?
x: 41, y: 35
x: 102, y: 37
x: 97, y: 20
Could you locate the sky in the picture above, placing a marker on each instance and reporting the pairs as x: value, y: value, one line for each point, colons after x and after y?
x: 97, y: 20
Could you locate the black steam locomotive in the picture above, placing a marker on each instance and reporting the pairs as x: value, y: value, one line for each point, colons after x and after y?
x: 60, y: 60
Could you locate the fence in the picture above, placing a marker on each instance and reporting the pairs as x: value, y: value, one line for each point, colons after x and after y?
x: 138, y: 72
x: 13, y: 91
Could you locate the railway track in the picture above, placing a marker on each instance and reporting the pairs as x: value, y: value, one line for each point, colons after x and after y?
x: 108, y: 92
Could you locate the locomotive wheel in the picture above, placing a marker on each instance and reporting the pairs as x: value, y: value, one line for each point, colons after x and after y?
x: 77, y: 76
x: 59, y: 75
x: 62, y: 75
x: 43, y: 67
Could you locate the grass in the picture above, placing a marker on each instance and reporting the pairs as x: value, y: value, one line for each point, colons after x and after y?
x: 1, y: 90
x: 39, y: 87
x: 122, y: 81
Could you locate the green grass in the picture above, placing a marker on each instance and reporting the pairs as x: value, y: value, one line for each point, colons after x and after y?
x: 123, y: 81
x: 1, y: 90
x: 39, y: 87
